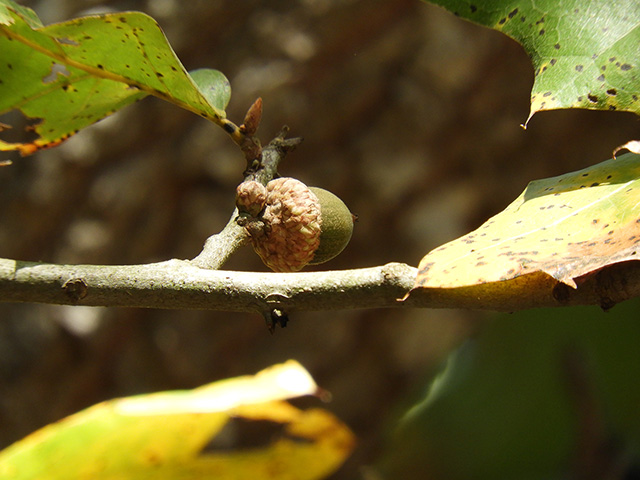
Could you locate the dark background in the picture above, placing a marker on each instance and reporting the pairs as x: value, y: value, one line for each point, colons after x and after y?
x: 409, y: 114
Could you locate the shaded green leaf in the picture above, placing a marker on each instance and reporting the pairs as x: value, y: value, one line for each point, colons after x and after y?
x: 586, y: 54
x: 213, y: 85
x: 542, y: 394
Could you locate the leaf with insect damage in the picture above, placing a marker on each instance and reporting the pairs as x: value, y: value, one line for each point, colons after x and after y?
x: 563, y: 227
x: 585, y: 53
x: 69, y: 75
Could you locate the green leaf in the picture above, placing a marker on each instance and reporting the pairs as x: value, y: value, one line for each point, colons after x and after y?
x: 585, y: 53
x: 179, y: 435
x: 69, y: 75
x: 565, y: 227
x: 6, y: 6
x: 213, y: 85
x: 540, y: 394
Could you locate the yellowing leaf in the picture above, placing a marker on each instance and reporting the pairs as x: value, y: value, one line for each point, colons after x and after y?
x: 190, y: 435
x: 564, y: 227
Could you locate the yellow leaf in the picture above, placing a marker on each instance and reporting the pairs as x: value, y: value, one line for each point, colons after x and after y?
x: 565, y: 227
x: 190, y: 434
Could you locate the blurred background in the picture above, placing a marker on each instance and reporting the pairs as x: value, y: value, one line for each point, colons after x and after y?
x: 411, y: 115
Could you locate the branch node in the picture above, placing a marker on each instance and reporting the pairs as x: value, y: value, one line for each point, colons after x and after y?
x: 284, y: 144
x: 282, y: 134
x: 252, y: 150
x: 76, y: 289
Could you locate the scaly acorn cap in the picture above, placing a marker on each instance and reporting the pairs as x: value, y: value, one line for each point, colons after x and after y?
x: 292, y: 226
x: 302, y: 225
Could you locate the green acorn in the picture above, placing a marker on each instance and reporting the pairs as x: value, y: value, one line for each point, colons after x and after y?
x: 293, y: 225
x: 337, y: 226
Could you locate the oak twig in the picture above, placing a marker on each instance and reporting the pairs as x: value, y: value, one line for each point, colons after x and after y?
x: 178, y: 284
x: 219, y: 247
x: 200, y: 284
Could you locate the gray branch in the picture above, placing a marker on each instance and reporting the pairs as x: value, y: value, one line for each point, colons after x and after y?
x: 178, y: 284
x: 219, y: 247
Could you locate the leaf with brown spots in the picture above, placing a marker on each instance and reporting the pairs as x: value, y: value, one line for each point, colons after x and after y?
x: 69, y: 75
x: 564, y: 227
x: 585, y: 53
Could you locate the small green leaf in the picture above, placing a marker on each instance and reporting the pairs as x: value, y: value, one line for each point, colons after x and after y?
x: 213, y: 85
x: 564, y: 227
x: 586, y: 53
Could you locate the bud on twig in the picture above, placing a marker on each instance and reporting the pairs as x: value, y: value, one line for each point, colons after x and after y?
x: 252, y: 118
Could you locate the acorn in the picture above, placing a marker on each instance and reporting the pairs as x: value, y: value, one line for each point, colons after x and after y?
x: 292, y: 225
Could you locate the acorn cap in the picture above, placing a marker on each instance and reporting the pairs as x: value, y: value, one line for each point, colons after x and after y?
x: 299, y: 225
x: 292, y: 226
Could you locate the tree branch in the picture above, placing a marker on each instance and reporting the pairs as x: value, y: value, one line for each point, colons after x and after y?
x: 177, y: 284
x: 219, y: 247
